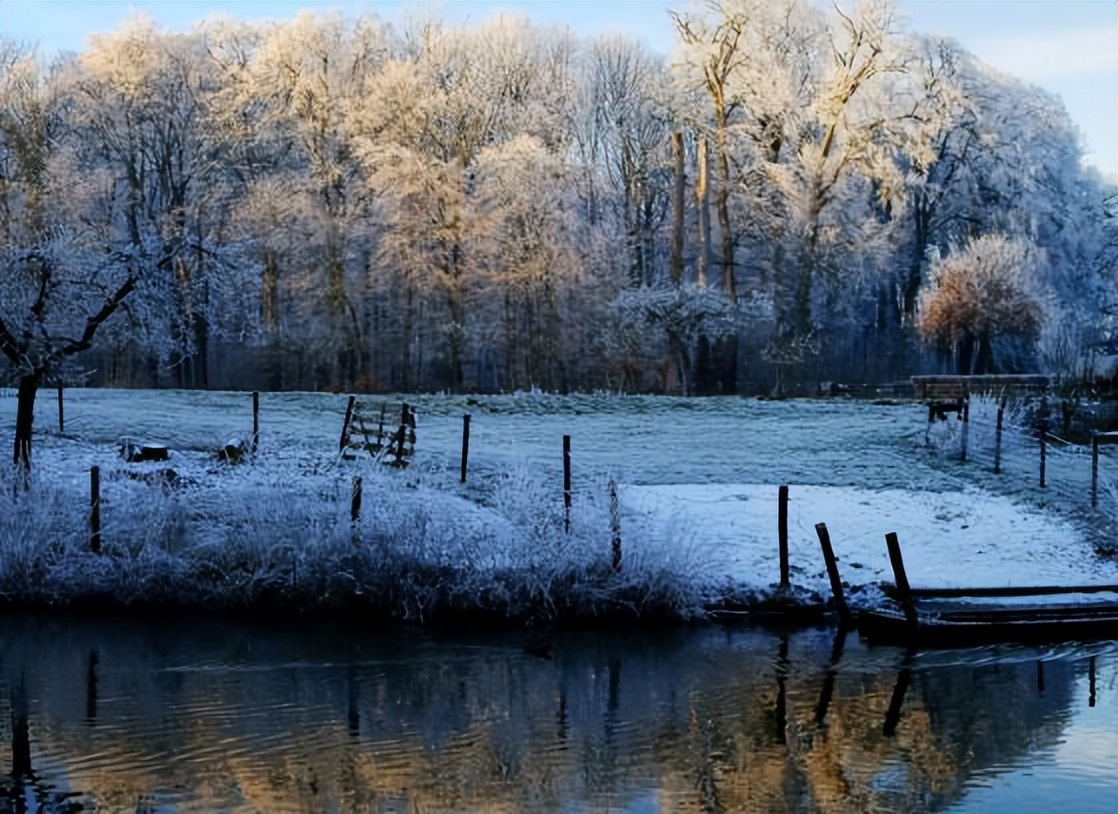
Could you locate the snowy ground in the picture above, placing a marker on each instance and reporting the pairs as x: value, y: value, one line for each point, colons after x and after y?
x: 698, y: 486
x: 962, y: 539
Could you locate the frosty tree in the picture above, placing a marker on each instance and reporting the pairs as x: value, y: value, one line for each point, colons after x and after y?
x: 459, y: 207
x: 94, y: 195
x: 56, y: 288
x: 985, y: 291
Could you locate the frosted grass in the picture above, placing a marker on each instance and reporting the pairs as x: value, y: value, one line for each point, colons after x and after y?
x: 697, y: 481
x: 274, y: 535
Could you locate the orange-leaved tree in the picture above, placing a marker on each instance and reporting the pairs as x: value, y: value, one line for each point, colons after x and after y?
x: 986, y: 290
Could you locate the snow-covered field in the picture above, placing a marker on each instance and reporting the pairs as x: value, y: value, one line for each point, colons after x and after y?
x: 697, y: 482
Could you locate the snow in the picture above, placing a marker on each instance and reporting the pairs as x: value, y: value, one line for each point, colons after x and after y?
x: 948, y: 539
x: 697, y: 483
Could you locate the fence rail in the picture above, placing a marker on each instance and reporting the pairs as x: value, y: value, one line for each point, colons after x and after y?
x: 1026, y: 446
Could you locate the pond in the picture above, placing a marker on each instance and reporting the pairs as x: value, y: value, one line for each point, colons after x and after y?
x: 203, y: 714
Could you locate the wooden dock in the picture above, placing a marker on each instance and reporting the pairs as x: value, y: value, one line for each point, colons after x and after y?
x: 956, y: 623
x: 955, y: 617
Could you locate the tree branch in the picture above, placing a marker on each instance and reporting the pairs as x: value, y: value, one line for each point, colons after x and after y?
x: 8, y: 344
x: 93, y: 323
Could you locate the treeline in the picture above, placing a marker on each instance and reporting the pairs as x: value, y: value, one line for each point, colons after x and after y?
x: 336, y: 203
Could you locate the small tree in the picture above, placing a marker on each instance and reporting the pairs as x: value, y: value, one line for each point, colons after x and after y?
x: 39, y: 345
x: 982, y: 292
x: 59, y: 279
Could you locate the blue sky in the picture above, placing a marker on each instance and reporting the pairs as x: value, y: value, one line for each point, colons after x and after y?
x: 1069, y: 47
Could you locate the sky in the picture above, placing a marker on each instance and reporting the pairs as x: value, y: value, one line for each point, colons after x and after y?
x: 1068, y: 47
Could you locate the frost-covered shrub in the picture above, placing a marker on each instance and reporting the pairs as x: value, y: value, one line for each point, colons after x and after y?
x: 279, y: 534
x: 983, y: 291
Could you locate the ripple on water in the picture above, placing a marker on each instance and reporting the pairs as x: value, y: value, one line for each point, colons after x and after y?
x: 262, y: 720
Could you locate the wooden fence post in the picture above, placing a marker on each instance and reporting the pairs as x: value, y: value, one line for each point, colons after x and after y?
x: 380, y: 426
x: 404, y: 424
x: 345, y: 423
x: 782, y: 534
x: 1043, y: 449
x: 833, y: 572
x: 1094, y: 469
x: 964, y: 413
x: 355, y: 501
x: 95, y: 509
x: 255, y: 420
x: 61, y: 423
x: 998, y: 438
x: 567, y: 481
x: 895, y: 559
x: 465, y: 443
x: 615, y: 526
x: 900, y: 578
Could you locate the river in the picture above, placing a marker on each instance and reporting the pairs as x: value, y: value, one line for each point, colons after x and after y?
x: 203, y: 714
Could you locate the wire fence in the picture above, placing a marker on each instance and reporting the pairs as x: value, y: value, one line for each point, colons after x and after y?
x: 1027, y: 449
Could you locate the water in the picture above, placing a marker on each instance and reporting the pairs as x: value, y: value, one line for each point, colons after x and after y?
x: 208, y: 715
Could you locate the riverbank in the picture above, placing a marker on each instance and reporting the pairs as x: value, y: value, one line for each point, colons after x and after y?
x: 695, y: 522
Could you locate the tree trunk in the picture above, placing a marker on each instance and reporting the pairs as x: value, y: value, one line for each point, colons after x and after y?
x: 705, y: 380
x: 914, y: 279
x: 201, y: 367
x: 702, y: 198
x: 678, y: 181
x: 964, y: 358
x: 985, y: 362
x: 722, y: 205
x: 269, y: 293
x: 25, y: 414
x: 678, y: 349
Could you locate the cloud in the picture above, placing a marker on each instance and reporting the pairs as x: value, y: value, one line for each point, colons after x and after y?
x: 1040, y: 55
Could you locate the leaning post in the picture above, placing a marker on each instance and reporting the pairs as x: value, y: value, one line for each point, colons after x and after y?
x: 900, y: 578
x: 833, y: 572
x: 345, y: 423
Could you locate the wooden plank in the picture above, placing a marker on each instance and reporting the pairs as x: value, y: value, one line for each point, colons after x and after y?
x: 1034, y: 590
x: 952, y: 629
x: 1019, y: 379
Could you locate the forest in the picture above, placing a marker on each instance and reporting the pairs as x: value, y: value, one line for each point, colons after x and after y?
x: 792, y: 195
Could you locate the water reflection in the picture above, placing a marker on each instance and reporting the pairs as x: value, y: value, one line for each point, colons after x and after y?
x: 206, y: 715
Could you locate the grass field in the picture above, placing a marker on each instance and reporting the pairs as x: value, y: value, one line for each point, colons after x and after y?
x: 697, y: 482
